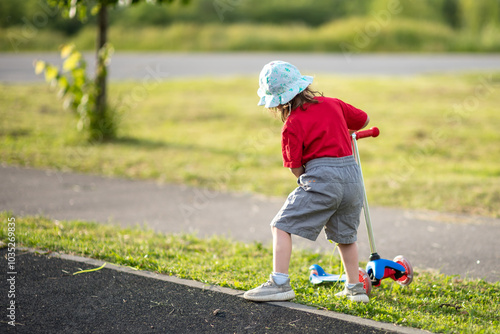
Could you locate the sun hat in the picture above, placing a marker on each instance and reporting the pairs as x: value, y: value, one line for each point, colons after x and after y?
x: 279, y: 83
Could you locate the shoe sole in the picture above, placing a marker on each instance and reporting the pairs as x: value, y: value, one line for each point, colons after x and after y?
x: 279, y: 297
x: 359, y: 298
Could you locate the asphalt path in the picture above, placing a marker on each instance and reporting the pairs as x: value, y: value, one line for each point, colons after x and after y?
x: 151, y: 67
x: 116, y: 299
x: 452, y: 244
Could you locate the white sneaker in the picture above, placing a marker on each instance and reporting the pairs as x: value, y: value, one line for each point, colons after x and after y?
x: 355, y: 294
x: 270, y: 291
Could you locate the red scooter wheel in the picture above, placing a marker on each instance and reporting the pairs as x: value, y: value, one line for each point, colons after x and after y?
x: 365, y: 279
x: 408, y: 277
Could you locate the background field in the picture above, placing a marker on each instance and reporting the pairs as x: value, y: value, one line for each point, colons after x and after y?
x: 438, y: 149
x: 254, y: 25
x: 403, y: 35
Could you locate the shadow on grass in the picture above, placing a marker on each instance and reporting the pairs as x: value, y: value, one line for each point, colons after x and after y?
x: 138, y: 142
x: 15, y: 133
x: 151, y: 144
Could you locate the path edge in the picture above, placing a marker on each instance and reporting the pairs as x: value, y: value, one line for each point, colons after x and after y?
x: 237, y: 293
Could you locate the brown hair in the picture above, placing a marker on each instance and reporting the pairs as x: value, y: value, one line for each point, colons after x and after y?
x: 306, y: 96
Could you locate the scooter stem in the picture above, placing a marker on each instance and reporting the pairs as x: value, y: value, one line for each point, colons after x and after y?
x: 366, y: 210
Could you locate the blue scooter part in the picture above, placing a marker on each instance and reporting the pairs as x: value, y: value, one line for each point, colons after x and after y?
x: 381, y: 268
x: 318, y: 275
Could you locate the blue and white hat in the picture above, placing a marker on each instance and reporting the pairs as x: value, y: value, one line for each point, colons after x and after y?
x: 279, y: 83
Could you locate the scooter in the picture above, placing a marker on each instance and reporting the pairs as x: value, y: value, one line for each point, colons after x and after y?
x: 399, y: 269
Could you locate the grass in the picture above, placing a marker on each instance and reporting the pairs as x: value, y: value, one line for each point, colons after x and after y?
x: 433, y: 302
x: 356, y: 34
x: 438, y: 148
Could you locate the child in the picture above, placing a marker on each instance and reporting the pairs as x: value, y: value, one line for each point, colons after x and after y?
x: 316, y: 146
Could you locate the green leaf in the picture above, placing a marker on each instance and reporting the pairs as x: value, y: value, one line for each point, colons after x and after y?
x: 51, y: 73
x: 63, y: 82
x: 89, y: 270
x: 82, y: 13
x: 95, y: 10
x: 79, y: 78
x: 66, y: 50
x: 105, y: 53
x: 72, y: 62
x: 39, y: 66
x: 80, y: 125
x: 63, y: 85
x: 68, y: 102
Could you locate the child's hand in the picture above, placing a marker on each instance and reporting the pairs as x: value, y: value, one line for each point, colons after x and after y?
x: 298, y: 171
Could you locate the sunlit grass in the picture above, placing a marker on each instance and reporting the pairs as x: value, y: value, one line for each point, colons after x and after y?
x: 438, y: 147
x: 353, y: 34
x: 434, y: 302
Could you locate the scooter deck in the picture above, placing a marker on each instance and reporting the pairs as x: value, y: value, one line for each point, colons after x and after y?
x: 315, y: 279
x: 318, y: 275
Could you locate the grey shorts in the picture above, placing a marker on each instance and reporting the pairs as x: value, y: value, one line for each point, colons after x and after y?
x: 329, y: 196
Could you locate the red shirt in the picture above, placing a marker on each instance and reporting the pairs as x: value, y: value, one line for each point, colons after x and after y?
x: 321, y: 130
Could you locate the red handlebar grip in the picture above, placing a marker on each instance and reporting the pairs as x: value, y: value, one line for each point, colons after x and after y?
x: 373, y: 132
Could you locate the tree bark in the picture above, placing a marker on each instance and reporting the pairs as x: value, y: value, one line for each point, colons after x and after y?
x: 101, y: 72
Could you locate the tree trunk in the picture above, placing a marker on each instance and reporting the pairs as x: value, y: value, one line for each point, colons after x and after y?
x: 101, y: 72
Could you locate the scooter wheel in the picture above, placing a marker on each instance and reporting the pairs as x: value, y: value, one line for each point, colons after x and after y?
x: 365, y: 279
x: 407, y: 278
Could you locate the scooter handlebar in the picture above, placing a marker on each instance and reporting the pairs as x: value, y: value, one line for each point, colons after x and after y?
x: 373, y: 132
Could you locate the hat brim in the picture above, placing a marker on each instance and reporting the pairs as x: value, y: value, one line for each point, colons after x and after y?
x: 272, y: 101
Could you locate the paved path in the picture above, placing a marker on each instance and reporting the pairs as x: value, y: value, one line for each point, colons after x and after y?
x: 117, y: 299
x: 454, y: 244
x: 160, y: 66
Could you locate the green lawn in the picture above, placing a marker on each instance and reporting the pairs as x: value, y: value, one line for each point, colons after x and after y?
x: 438, y: 147
x: 352, y: 34
x: 438, y: 303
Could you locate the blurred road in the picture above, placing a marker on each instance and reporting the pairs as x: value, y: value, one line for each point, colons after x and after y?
x: 454, y: 244
x: 18, y: 67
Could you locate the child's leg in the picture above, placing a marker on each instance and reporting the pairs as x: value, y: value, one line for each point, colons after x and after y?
x: 353, y: 290
x: 278, y: 287
x: 349, y: 255
x: 282, y: 250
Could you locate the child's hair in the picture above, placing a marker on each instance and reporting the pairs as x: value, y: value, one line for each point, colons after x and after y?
x: 306, y: 96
